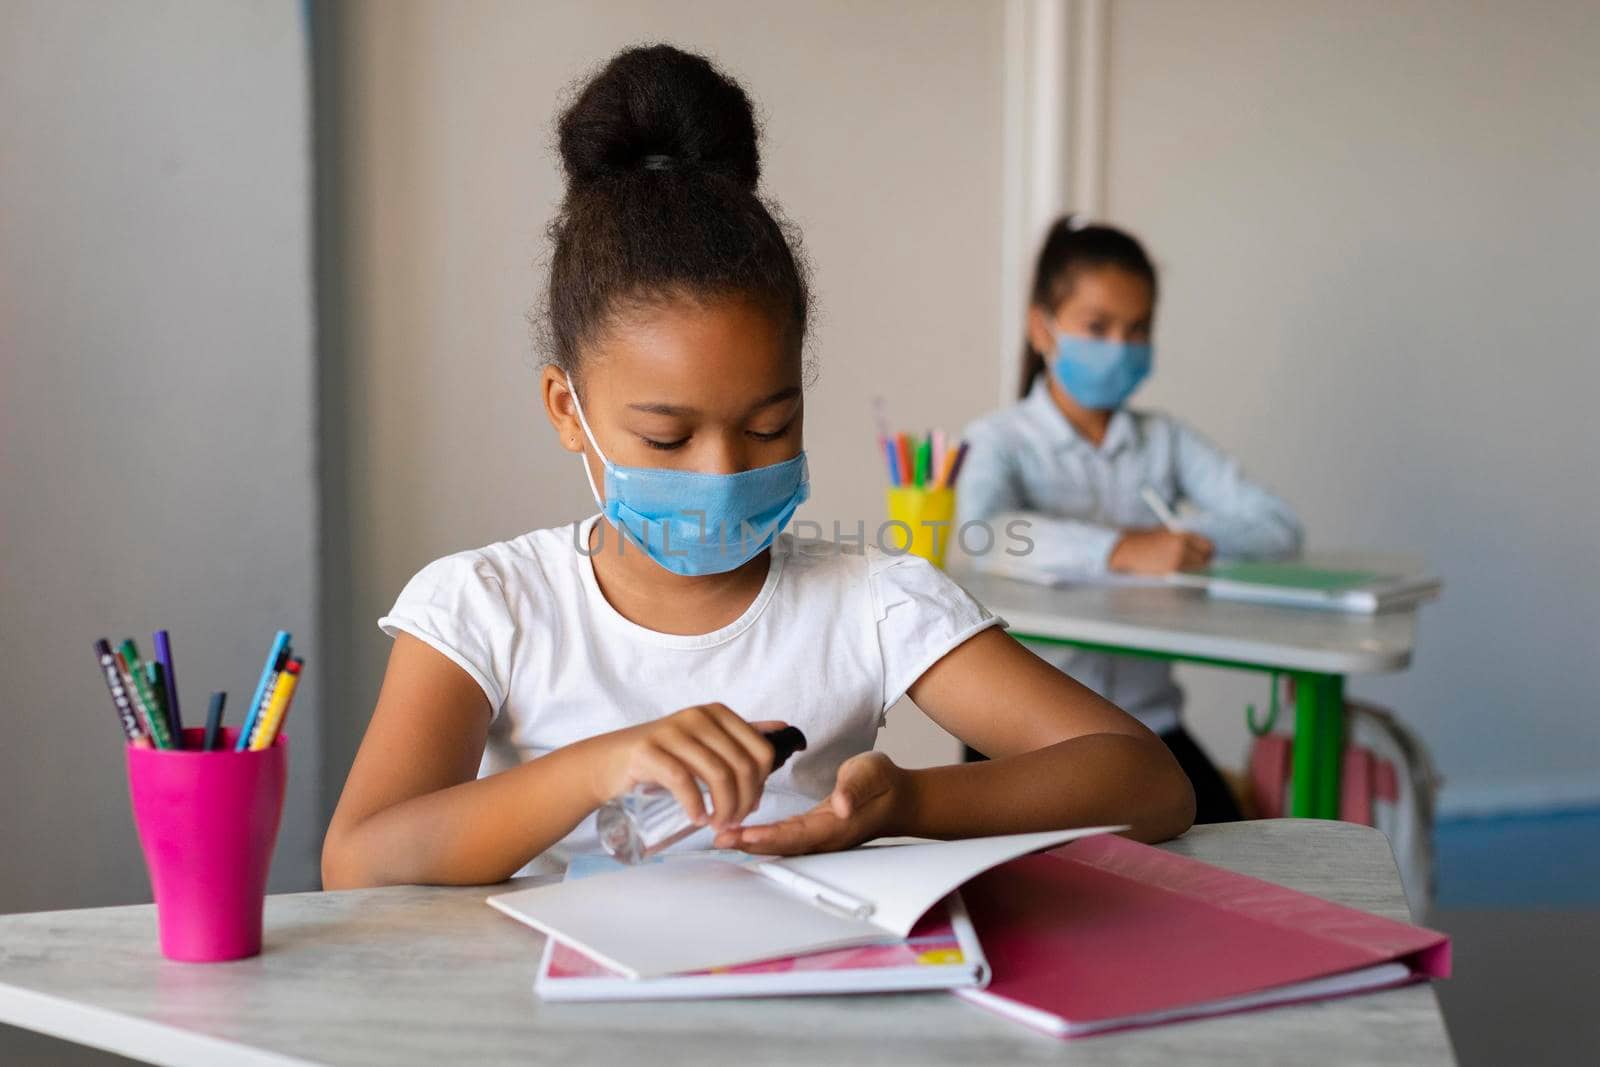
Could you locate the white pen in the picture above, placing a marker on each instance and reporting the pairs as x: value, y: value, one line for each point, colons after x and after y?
x: 1159, y: 506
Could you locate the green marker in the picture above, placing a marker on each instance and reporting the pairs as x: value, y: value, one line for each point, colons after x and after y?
x: 155, y: 678
x: 147, y: 699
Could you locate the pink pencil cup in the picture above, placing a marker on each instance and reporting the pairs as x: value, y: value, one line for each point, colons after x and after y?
x: 207, y: 823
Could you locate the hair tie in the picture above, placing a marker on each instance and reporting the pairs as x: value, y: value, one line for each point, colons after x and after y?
x: 659, y: 162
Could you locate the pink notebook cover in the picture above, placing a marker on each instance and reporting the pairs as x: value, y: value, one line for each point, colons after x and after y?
x: 1107, y: 929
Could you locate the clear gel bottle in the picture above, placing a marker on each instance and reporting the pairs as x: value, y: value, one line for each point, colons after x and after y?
x: 648, y: 818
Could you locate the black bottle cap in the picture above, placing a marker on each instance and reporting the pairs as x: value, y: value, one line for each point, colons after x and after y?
x: 785, y: 743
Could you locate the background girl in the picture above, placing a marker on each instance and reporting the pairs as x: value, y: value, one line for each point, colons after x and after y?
x: 1076, y: 463
x: 533, y: 679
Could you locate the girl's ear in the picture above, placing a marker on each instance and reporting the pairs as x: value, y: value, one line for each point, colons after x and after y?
x: 1041, y: 331
x: 561, y: 409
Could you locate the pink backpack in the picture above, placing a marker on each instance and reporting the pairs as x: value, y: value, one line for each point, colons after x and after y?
x: 1389, y: 782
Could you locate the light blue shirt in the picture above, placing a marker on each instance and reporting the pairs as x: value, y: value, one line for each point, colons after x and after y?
x: 1027, y: 462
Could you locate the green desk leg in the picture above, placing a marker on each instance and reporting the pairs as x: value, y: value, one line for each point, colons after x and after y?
x: 1318, y: 745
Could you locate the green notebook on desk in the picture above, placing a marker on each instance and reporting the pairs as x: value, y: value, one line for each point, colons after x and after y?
x: 1311, y: 586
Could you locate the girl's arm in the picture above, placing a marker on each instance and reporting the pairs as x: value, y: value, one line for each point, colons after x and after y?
x: 414, y: 811
x: 1060, y: 756
x: 1241, y: 518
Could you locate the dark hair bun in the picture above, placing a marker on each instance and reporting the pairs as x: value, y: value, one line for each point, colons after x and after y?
x: 659, y: 108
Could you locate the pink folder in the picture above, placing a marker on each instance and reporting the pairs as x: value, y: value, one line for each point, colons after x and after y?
x: 1106, y: 933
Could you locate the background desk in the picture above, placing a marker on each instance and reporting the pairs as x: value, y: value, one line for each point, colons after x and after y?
x: 429, y: 976
x: 1315, y: 648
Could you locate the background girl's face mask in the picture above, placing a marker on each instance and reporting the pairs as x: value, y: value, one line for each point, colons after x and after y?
x: 1100, y: 374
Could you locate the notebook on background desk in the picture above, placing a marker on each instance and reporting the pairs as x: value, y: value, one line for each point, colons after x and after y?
x: 1325, y: 585
x: 1303, y: 585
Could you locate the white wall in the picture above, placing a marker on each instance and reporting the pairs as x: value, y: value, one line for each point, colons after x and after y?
x: 156, y: 445
x: 1379, y: 229
x: 883, y: 144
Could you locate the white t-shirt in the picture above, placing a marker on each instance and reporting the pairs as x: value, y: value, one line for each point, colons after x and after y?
x: 831, y: 641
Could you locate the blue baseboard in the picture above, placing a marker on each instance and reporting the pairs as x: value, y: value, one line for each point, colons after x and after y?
x: 1520, y: 860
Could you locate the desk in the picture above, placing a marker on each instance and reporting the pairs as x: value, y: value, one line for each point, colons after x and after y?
x: 1315, y: 648
x: 430, y: 976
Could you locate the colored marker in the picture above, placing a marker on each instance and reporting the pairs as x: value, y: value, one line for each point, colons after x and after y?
x: 154, y: 680
x: 955, y: 468
x: 288, y: 705
x: 214, y: 722
x: 275, y: 661
x: 924, y: 449
x: 267, y: 728
x: 120, y: 696
x: 154, y: 721
x: 903, y: 453
x: 882, y: 421
x: 125, y: 676
x: 894, y: 466
x: 272, y: 688
x: 169, y: 683
x: 943, y: 480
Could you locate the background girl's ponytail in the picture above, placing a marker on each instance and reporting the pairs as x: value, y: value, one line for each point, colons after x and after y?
x: 1072, y: 246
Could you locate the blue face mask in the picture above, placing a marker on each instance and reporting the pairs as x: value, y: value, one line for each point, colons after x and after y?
x: 1100, y: 374
x: 693, y: 523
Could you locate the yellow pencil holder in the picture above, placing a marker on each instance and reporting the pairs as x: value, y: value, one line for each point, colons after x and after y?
x: 921, y: 522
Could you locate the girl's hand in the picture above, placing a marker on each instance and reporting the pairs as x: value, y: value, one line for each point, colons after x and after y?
x: 865, y: 803
x: 1159, y: 551
x: 706, y: 743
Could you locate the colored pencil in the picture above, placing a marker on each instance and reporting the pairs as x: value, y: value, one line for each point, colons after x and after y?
x: 121, y: 699
x: 943, y: 480
x: 154, y: 680
x: 907, y: 470
x: 955, y: 468
x: 288, y: 705
x: 169, y: 680
x: 894, y: 465
x: 267, y: 727
x: 214, y: 722
x: 275, y: 661
x: 154, y: 721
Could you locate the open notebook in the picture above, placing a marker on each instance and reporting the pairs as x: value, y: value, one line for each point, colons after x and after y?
x: 700, y: 913
x: 942, y: 952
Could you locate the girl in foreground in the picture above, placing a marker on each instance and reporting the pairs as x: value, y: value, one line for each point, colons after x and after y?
x: 534, y: 679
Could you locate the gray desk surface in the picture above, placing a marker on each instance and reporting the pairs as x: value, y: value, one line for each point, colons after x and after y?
x: 1185, y: 622
x: 428, y: 976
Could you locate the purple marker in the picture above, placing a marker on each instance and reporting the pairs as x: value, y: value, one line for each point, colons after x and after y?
x: 170, y: 683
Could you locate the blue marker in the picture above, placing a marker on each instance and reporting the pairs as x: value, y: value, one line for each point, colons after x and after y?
x: 275, y: 661
x: 169, y: 681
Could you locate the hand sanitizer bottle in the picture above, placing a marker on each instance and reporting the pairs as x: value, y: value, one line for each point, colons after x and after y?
x: 648, y: 818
